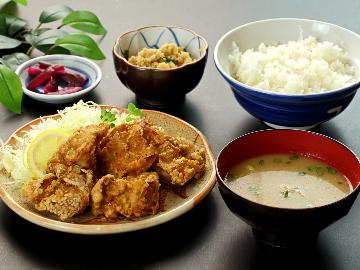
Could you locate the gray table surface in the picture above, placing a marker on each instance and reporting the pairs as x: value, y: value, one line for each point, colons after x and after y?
x: 209, y: 236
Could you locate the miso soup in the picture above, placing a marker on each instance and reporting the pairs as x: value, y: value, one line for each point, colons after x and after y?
x: 288, y: 181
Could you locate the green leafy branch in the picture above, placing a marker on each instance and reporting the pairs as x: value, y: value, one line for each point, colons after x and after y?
x: 18, y: 41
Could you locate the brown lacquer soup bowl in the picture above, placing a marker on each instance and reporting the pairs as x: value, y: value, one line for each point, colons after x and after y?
x: 154, y: 87
x: 288, y: 227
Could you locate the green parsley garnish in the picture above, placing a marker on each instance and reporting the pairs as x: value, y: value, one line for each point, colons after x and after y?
x: 331, y: 170
x: 232, y: 176
x: 320, y: 171
x: 168, y: 60
x: 285, y: 193
x: 311, y: 168
x: 133, y: 112
x: 294, y: 157
x: 302, y: 173
x: 108, y: 117
x: 261, y: 162
x: 253, y: 190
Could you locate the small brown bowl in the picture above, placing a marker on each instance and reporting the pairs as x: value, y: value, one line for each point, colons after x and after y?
x: 159, y: 88
x: 285, y: 227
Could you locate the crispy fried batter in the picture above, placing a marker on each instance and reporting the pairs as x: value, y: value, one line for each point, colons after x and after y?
x: 79, y: 149
x: 130, y: 149
x: 129, y: 196
x: 65, y: 190
x: 179, y: 161
x: 58, y: 197
x: 124, y: 153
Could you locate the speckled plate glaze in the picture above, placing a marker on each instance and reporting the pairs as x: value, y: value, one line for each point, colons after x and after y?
x: 86, y: 223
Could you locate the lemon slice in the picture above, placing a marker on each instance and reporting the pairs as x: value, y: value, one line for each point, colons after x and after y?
x: 42, y: 149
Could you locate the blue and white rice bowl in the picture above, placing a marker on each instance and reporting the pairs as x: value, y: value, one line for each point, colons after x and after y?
x: 280, y: 110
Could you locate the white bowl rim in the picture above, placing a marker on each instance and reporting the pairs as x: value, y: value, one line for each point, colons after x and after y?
x: 44, y: 97
x: 157, y: 69
x: 236, y: 82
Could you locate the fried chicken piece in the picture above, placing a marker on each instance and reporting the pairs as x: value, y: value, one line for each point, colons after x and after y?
x: 59, y: 197
x: 79, y: 149
x: 130, y: 149
x: 65, y: 189
x: 179, y: 161
x: 131, y: 196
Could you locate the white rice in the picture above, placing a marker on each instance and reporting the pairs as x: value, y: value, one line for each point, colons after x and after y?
x: 297, y: 67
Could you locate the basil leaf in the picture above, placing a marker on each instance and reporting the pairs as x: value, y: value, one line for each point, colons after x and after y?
x: 22, y: 2
x: 8, y: 43
x: 14, y: 60
x: 54, y: 13
x: 85, y: 21
x: 14, y: 24
x: 82, y: 45
x: 44, y: 36
x: 11, y: 91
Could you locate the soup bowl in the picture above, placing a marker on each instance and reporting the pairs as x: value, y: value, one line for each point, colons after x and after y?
x: 288, y: 227
x: 283, y: 110
x: 153, y: 87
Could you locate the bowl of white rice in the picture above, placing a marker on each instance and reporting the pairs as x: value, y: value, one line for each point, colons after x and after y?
x: 290, y: 72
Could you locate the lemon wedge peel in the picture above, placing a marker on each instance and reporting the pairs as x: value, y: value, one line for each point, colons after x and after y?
x: 41, y: 149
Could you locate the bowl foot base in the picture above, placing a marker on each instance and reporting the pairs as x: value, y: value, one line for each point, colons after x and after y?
x: 175, y: 102
x: 289, y: 240
x: 285, y: 127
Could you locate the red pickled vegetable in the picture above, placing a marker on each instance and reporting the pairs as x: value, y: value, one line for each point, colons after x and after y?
x: 51, y: 85
x: 66, y: 90
x: 73, y: 78
x: 58, y: 69
x: 41, y: 78
x: 43, y: 64
x: 34, y: 70
x: 52, y: 75
x: 44, y: 76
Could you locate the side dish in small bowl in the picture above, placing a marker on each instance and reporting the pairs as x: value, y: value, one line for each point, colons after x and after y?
x: 160, y: 64
x: 58, y: 78
x: 288, y: 184
x: 298, y: 77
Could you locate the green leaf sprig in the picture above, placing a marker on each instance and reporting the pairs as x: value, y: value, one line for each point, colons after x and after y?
x: 168, y: 60
x: 18, y: 40
x: 108, y: 117
x: 133, y: 112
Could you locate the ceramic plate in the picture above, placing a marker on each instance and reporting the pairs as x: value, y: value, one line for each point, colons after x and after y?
x: 86, y: 223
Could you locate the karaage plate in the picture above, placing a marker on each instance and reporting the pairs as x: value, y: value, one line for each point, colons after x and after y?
x: 174, y: 205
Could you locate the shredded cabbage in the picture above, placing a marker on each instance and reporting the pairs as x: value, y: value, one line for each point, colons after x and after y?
x: 71, y: 118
